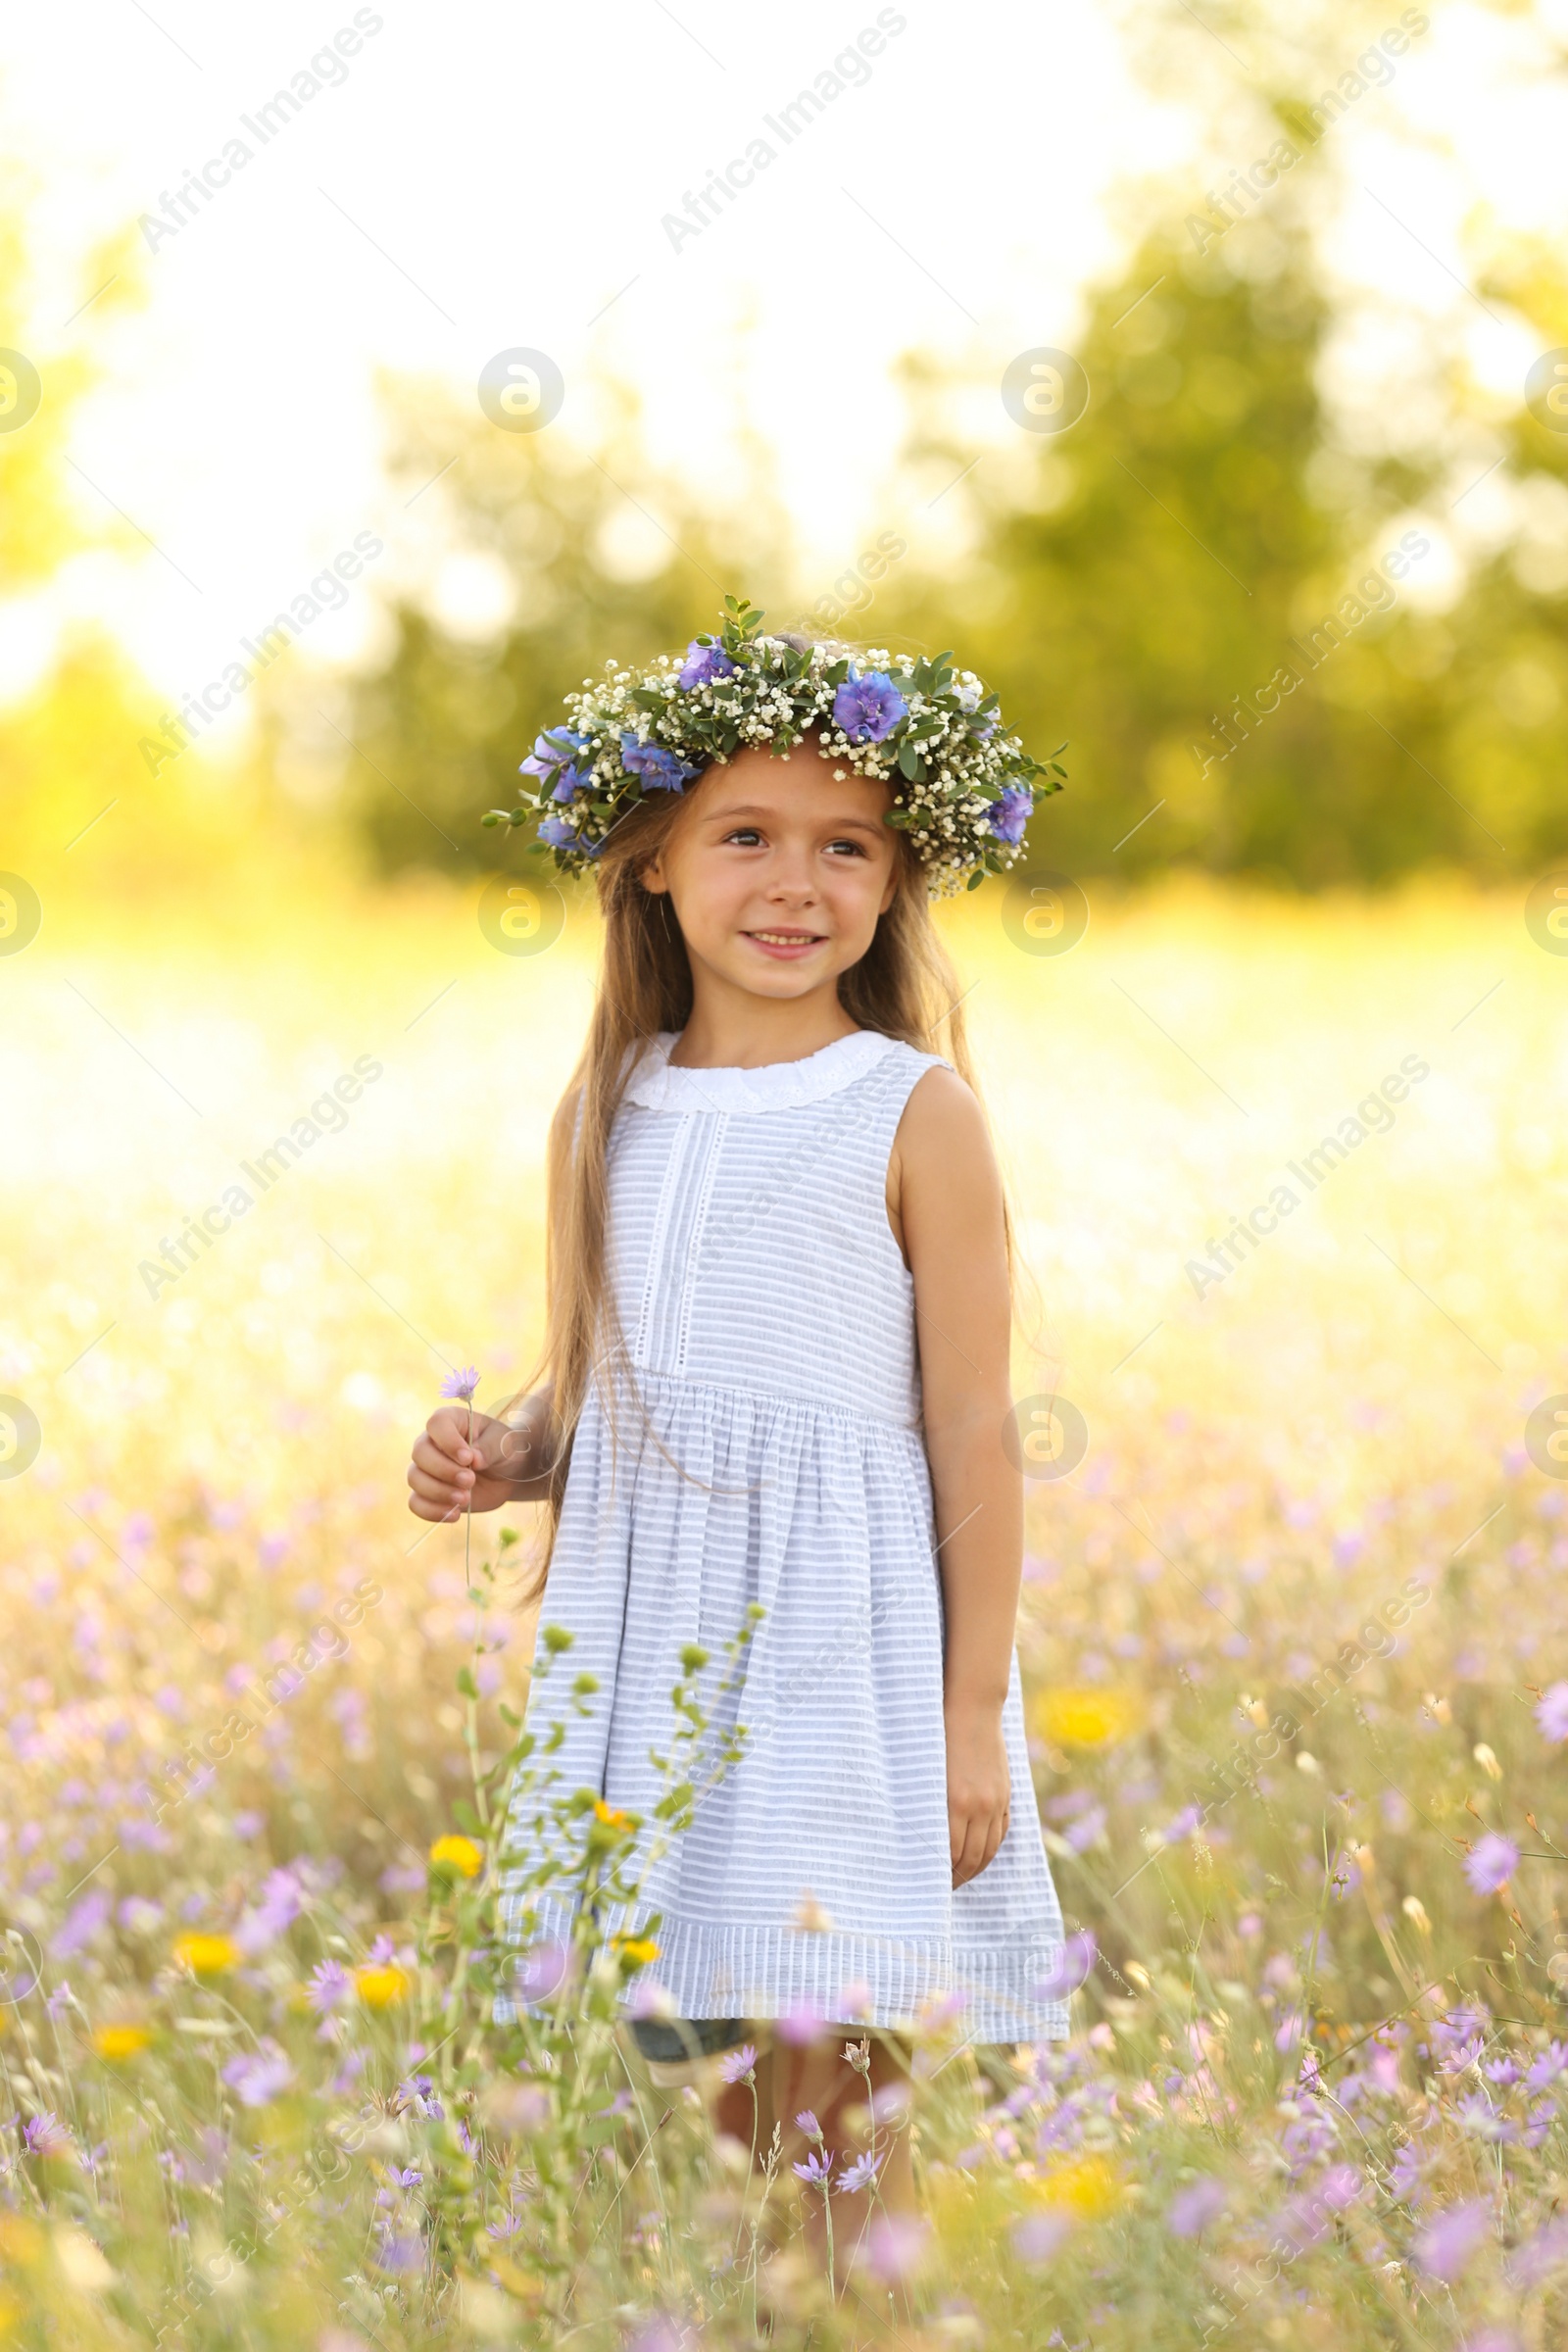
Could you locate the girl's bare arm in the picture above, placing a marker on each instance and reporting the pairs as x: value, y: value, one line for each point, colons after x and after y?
x: 945, y: 1203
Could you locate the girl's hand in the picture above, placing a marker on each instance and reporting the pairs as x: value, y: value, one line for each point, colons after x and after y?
x: 979, y: 1785
x: 452, y: 1472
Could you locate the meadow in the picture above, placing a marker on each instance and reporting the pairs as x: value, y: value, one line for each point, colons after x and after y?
x: 1291, y: 1634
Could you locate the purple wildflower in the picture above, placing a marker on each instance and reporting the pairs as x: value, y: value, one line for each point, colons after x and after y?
x: 505, y: 2225
x: 1085, y: 1829
x: 858, y: 2175
x: 554, y: 760
x: 1478, y: 2114
x: 261, y: 2075
x: 1192, y: 2209
x: 736, y: 2064
x: 1551, y: 1713
x: 1077, y: 1959
x: 461, y: 1384
x: 1539, y: 2256
x: 1452, y: 2240
x: 81, y: 1923
x: 329, y: 1986
x: 1552, y: 2062
x: 893, y: 2247
x: 399, y: 2251
x: 868, y: 708
x: 1037, y: 2237
x: 1490, y: 1862
x: 807, y: 2122
x: 801, y: 2022
x: 817, y: 2167
x: 420, y: 2094
x: 655, y: 765
x: 542, y: 1971
x: 282, y: 1901
x: 45, y: 2136
x: 704, y: 663
x: 1011, y: 812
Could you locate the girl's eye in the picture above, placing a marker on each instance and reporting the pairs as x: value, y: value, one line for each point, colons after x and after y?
x: 747, y: 835
x: 856, y: 848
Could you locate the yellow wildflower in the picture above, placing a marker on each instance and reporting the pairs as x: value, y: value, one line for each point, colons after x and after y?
x: 1085, y: 2186
x: 206, y: 1955
x: 121, y: 2041
x: 381, y: 1985
x: 1072, y: 1717
x: 636, y: 1948
x: 459, y: 1855
x: 610, y: 1815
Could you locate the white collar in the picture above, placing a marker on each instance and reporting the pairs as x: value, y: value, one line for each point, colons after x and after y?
x: 657, y: 1084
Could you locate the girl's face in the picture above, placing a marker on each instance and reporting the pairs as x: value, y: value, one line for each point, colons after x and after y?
x: 777, y: 871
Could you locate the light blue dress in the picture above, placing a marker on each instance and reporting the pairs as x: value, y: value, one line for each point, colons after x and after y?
x: 770, y: 1323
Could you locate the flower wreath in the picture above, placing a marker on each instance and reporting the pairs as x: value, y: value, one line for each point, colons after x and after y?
x: 962, y: 789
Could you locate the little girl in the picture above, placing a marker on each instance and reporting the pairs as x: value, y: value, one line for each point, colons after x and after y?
x: 778, y: 1356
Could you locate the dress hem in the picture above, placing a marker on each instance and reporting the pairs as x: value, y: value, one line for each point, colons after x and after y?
x: 891, y: 1981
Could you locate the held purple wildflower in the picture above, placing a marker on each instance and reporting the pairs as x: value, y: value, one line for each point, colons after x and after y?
x: 704, y: 665
x: 461, y: 1384
x: 868, y: 708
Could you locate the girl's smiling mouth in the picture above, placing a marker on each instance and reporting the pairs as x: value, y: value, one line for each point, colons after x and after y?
x: 785, y: 942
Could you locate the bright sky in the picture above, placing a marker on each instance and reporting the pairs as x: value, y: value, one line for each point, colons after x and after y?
x: 492, y: 177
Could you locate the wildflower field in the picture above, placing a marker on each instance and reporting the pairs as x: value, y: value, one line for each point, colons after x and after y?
x: 1290, y: 1181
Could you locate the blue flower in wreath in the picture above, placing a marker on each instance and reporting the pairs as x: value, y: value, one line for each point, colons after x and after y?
x: 657, y: 766
x: 554, y: 759
x: 868, y: 708
x: 704, y: 665
x: 556, y: 831
x: 1011, y: 812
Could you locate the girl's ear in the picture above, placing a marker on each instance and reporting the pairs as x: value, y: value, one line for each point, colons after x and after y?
x: 651, y: 874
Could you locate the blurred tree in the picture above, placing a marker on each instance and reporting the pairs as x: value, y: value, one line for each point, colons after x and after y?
x: 593, y: 553
x: 1203, y: 529
x: 1193, y: 584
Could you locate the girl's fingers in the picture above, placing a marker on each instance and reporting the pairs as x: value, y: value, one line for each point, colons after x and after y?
x: 437, y: 1510
x: 432, y: 1498
x: 436, y: 1464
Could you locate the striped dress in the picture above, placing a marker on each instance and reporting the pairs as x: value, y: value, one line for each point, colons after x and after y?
x: 776, y: 1458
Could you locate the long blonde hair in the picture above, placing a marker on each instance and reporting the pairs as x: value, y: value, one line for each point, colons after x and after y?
x: 903, y: 986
